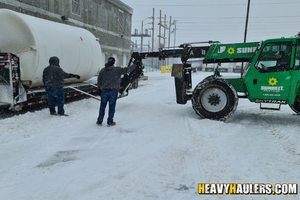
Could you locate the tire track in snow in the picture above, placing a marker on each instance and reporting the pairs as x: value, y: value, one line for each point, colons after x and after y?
x: 190, y: 160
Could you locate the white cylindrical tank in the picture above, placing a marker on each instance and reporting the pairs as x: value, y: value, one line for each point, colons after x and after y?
x: 35, y: 40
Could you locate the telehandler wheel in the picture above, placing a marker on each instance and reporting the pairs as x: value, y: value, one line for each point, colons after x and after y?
x: 214, y: 99
x: 296, y: 106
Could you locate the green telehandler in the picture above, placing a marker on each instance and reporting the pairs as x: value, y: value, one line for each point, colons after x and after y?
x: 271, y: 74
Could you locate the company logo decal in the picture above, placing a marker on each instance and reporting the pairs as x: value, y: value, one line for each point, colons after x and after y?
x: 240, y: 50
x: 231, y: 51
x: 272, y: 81
x: 221, y: 49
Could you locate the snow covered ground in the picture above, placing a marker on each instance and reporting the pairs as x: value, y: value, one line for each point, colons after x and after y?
x: 157, y: 150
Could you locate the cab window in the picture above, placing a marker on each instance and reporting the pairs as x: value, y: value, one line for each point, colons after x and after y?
x: 275, y: 57
x: 297, y: 56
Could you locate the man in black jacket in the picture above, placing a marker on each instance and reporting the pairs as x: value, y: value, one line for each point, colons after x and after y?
x: 109, y: 80
x: 53, y: 78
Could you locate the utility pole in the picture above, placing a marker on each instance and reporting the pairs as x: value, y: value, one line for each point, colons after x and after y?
x: 165, y: 23
x: 153, y: 31
x: 175, y: 32
x: 169, y: 38
x: 164, y: 26
x: 159, y: 28
x: 245, y: 35
x: 153, y: 17
x: 170, y: 24
x: 246, y: 25
x: 142, y: 35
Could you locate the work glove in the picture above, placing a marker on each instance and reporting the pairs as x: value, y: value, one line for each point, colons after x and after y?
x: 99, y: 91
x: 74, y: 76
x: 77, y: 76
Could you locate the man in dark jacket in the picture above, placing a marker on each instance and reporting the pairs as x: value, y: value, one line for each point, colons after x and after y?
x: 109, y: 80
x: 53, y: 78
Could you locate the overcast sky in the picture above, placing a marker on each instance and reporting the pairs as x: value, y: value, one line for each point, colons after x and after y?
x: 219, y: 20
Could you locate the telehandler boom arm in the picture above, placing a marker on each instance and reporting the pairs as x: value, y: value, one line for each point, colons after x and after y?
x: 215, y: 53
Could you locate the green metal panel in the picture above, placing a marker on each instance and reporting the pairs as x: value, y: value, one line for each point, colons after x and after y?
x: 231, y: 51
x: 273, y: 85
x: 266, y: 79
x: 238, y: 84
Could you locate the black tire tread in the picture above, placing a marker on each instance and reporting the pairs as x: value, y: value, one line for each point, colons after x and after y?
x: 221, y: 84
x: 296, y: 106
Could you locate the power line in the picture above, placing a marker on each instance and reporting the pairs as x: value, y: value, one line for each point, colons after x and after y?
x: 226, y: 18
x: 217, y: 5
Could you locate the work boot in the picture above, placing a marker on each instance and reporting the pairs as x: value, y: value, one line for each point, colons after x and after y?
x: 112, y: 124
x: 99, y: 124
x: 63, y: 115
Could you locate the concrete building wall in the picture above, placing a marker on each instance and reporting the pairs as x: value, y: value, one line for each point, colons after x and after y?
x: 108, y: 20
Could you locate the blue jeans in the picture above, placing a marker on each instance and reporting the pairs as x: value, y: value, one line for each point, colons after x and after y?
x: 56, y: 95
x: 111, y: 97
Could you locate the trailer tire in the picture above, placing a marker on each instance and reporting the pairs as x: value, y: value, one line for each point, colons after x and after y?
x: 296, y: 106
x: 214, y: 99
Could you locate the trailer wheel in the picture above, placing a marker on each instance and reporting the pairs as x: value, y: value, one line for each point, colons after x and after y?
x: 296, y: 106
x: 214, y: 99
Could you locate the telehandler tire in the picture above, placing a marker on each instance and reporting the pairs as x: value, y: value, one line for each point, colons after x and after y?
x: 296, y: 106
x: 214, y: 99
